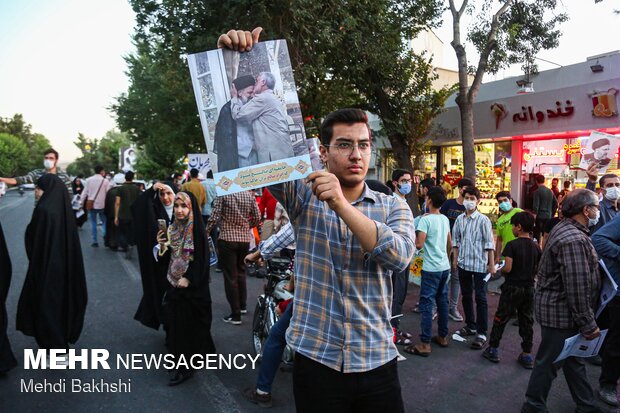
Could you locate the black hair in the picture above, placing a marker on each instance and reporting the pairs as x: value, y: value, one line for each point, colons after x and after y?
x: 51, y: 150
x: 437, y: 196
x: 98, y: 169
x: 472, y: 190
x: 502, y: 194
x: 210, y: 174
x: 398, y: 173
x: 540, y: 179
x: 193, y: 173
x: 129, y: 176
x: 566, y: 184
x: 601, y: 182
x: 348, y: 116
x: 176, y: 175
x: 465, y: 182
x: 525, y: 219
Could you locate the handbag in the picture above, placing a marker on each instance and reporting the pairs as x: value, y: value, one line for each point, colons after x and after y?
x: 90, y: 203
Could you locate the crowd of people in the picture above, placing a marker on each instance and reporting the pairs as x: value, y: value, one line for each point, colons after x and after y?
x: 354, y: 242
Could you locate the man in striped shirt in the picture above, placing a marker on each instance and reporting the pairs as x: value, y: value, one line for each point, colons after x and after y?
x: 474, y: 255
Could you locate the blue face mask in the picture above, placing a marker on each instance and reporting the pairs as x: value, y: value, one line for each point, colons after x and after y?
x: 404, y: 188
x: 505, y: 206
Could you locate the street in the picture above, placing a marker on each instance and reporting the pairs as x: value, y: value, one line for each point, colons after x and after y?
x: 451, y: 379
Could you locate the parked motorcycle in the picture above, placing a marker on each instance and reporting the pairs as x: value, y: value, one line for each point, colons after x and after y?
x: 265, y: 315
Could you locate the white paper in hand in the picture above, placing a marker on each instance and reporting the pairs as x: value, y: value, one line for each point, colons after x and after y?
x: 578, y: 346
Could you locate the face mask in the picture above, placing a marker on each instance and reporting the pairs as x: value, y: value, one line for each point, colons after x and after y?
x: 612, y: 193
x: 593, y: 221
x: 404, y: 188
x: 469, y: 205
x: 505, y: 206
x: 48, y: 164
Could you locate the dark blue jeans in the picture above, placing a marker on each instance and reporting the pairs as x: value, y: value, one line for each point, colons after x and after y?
x: 434, y: 288
x: 470, y: 280
x: 272, y: 352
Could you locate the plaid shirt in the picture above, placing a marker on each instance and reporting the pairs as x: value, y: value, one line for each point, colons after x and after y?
x: 33, y: 176
x: 473, y: 236
x: 277, y: 242
x: 236, y: 214
x: 343, y: 295
x: 568, y: 283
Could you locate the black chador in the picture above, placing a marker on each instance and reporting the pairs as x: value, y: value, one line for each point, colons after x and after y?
x: 7, y: 359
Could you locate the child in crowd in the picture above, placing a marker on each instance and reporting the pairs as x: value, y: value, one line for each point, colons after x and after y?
x: 433, y: 234
x: 522, y: 256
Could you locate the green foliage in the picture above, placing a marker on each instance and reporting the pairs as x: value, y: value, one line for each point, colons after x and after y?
x: 344, y: 53
x: 95, y: 152
x: 13, y: 154
x: 35, y: 143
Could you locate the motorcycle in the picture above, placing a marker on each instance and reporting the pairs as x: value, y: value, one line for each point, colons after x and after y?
x: 265, y: 315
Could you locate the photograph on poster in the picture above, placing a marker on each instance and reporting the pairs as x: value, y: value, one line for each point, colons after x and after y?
x: 600, y: 149
x: 250, y: 116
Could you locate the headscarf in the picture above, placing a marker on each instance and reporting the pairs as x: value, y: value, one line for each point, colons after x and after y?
x: 181, y: 242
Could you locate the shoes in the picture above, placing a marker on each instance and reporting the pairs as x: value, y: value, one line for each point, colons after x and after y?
x: 479, y: 342
x: 441, y: 341
x: 608, y: 395
x: 244, y: 311
x: 420, y: 349
x: 434, y: 314
x: 403, y: 338
x: 263, y: 400
x: 94, y: 245
x: 231, y: 319
x: 218, y: 270
x: 466, y: 331
x: 526, y: 360
x: 492, y: 354
x: 179, y: 376
x: 455, y: 315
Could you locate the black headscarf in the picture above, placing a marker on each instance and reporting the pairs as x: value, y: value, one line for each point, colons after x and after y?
x: 53, y: 300
x: 187, y: 311
x: 77, y: 188
x: 146, y: 210
x: 7, y: 359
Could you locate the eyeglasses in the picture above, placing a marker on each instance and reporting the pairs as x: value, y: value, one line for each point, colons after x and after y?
x: 346, y: 148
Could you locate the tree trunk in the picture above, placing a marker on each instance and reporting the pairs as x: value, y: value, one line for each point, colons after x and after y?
x: 467, y: 136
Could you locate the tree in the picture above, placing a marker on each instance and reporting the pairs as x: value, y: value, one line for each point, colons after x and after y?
x: 504, y: 32
x: 95, y: 152
x: 35, y: 143
x: 343, y: 53
x: 13, y: 154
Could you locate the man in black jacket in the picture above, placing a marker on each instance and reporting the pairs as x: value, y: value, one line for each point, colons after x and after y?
x: 234, y: 141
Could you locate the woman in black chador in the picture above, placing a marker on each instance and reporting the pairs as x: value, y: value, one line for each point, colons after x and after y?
x: 187, y: 303
x: 155, y: 203
x: 53, y: 300
x: 7, y: 359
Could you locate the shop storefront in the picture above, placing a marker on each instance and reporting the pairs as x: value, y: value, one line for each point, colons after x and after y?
x: 544, y: 132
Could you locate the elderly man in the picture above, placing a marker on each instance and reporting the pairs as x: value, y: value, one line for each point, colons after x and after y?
x: 234, y: 140
x: 268, y: 116
x: 566, y: 295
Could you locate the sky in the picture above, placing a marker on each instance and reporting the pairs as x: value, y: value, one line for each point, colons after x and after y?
x: 61, y: 61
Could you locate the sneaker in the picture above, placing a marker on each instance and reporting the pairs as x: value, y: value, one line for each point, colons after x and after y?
x: 526, y: 360
x: 179, y: 376
x: 244, y: 311
x: 231, y: 319
x: 491, y: 354
x: 479, y: 342
x: 466, y: 331
x: 218, y: 270
x: 263, y: 400
x: 94, y: 245
x: 455, y: 315
x: 608, y: 395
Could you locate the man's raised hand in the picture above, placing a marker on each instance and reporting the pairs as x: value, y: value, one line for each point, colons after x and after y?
x: 239, y: 40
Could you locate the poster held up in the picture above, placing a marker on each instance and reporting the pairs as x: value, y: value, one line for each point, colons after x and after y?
x: 250, y: 116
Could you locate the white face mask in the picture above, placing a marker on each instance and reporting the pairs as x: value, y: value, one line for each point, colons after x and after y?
x: 48, y: 164
x: 612, y: 193
x: 469, y: 205
x: 593, y: 221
